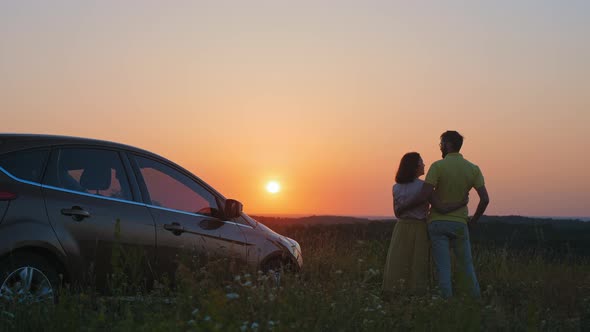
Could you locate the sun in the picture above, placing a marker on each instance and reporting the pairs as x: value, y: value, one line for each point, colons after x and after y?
x: 273, y: 187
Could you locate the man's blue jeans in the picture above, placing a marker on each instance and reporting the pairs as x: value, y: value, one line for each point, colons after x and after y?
x: 446, y: 235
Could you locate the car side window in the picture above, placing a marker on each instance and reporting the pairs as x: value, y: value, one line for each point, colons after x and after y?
x: 92, y: 171
x: 25, y: 165
x: 169, y: 188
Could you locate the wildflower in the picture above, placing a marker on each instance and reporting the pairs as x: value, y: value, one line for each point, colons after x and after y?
x: 247, y: 284
x: 237, y: 278
x: 195, y: 312
x: 244, y: 326
x: 254, y: 326
x: 207, y: 318
x: 271, y: 323
x: 247, y: 275
x: 9, y: 314
x: 232, y: 296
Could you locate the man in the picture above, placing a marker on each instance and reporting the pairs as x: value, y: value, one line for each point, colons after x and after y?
x: 451, y: 179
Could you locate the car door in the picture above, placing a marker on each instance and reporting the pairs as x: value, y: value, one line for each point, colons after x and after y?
x: 189, y: 221
x: 99, y: 220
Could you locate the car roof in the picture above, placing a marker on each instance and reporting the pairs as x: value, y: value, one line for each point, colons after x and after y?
x: 16, y: 142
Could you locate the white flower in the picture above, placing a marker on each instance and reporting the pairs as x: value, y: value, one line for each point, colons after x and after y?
x: 232, y: 296
x: 195, y: 312
x: 237, y: 278
x: 9, y: 314
x: 207, y: 318
x: 254, y: 326
x: 247, y: 284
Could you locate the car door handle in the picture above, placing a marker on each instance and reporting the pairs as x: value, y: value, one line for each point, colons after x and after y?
x: 175, y: 228
x: 77, y: 213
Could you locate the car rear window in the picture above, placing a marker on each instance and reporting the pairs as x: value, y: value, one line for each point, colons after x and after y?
x: 25, y: 165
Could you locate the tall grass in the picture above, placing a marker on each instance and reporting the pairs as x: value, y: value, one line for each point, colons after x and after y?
x: 338, y: 290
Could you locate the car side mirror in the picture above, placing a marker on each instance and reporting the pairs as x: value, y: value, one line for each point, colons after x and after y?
x: 233, y: 208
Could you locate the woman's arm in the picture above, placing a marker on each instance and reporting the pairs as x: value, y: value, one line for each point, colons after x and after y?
x: 447, y: 207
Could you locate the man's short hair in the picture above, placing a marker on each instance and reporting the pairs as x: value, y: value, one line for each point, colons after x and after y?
x: 454, y: 138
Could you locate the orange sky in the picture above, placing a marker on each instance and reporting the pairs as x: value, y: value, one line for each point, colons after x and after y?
x: 324, y: 98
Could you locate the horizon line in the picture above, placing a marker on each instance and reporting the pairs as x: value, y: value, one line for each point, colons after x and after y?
x: 302, y: 215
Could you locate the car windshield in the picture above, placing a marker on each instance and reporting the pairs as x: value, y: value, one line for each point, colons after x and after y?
x: 253, y: 222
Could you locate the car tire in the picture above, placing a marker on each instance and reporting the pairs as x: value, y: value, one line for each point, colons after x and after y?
x: 28, y: 278
x: 275, y: 268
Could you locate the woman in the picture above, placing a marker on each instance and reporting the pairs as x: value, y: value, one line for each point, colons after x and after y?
x: 408, y: 260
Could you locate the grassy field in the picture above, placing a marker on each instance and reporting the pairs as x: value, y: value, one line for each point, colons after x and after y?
x: 338, y: 290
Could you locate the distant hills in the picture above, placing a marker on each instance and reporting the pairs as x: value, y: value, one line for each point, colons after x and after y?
x: 559, y: 236
x: 311, y: 220
x: 330, y: 220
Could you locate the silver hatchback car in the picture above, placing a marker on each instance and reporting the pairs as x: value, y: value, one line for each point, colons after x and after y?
x: 66, y: 202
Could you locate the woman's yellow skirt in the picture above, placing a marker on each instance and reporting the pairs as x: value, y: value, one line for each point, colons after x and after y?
x: 407, y: 268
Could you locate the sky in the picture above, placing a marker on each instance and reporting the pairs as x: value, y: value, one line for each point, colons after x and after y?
x: 323, y: 97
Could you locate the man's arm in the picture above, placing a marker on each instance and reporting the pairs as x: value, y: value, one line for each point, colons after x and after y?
x: 422, y: 197
x: 484, y: 200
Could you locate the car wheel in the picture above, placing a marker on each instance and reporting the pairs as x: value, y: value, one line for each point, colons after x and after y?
x: 28, y: 278
x: 275, y: 269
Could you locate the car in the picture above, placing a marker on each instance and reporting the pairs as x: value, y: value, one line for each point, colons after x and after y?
x: 67, y: 204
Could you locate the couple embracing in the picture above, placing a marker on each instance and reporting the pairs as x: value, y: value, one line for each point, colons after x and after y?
x: 433, y: 221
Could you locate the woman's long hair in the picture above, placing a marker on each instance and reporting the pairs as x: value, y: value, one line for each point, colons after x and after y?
x: 408, y: 167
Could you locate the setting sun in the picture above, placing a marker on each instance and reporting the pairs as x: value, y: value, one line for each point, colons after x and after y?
x: 273, y: 187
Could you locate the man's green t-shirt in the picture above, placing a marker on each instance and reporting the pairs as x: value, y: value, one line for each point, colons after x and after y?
x: 452, y: 178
